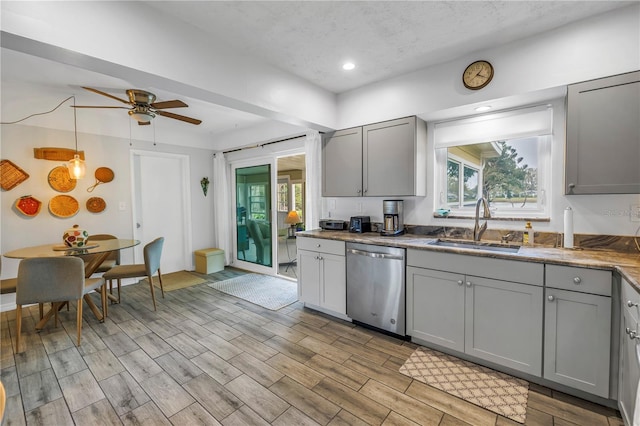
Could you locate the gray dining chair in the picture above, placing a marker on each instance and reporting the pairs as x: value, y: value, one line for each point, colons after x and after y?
x: 54, y: 279
x: 7, y: 285
x: 152, y: 253
x: 114, y: 257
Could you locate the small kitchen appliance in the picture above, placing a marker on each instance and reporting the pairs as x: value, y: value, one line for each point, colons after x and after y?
x: 392, y: 220
x: 332, y: 225
x: 360, y: 224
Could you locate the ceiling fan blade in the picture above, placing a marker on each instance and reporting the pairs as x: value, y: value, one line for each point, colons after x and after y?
x: 97, y: 106
x: 143, y: 123
x: 106, y: 94
x: 169, y: 104
x: 179, y: 117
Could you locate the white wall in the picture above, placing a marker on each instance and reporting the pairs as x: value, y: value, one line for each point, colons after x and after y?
x: 19, y: 231
x: 193, y: 64
x: 525, y: 71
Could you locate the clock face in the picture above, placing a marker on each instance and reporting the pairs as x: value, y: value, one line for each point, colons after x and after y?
x: 477, y: 75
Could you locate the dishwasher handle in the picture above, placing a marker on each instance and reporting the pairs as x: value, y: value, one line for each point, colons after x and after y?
x: 375, y: 254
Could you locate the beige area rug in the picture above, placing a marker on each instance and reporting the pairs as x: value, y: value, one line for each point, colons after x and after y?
x: 490, y: 389
x: 176, y: 280
x: 269, y: 292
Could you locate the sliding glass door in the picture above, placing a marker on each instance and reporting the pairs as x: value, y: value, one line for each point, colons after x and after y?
x: 253, y: 198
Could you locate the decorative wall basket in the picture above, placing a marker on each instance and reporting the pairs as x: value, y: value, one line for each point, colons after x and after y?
x: 28, y: 205
x: 11, y: 175
x: 60, y: 180
x: 63, y: 206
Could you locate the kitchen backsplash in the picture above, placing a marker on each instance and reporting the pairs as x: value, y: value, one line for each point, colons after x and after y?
x: 624, y: 244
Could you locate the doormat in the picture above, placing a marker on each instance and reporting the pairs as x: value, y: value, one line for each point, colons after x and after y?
x: 482, y: 386
x: 176, y: 280
x: 264, y: 290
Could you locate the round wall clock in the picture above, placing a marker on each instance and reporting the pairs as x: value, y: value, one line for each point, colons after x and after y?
x: 477, y: 75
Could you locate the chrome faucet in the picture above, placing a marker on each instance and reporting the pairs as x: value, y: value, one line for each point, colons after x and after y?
x: 478, y: 229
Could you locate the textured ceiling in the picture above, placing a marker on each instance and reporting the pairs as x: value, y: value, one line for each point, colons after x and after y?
x: 308, y: 39
x: 312, y: 39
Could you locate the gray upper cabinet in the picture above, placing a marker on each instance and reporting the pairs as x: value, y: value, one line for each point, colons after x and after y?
x: 342, y: 163
x: 394, y: 158
x: 603, y: 136
x: 377, y: 160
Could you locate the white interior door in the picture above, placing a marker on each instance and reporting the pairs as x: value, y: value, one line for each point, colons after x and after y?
x: 162, y: 206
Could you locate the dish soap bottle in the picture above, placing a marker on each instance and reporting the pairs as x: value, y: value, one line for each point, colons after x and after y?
x: 527, y: 236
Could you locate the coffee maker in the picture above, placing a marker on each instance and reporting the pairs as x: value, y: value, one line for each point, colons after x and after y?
x: 392, y: 220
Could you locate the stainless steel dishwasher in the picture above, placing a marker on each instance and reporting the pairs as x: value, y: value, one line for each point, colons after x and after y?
x: 376, y: 286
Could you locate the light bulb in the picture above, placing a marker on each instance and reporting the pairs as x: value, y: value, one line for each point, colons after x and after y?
x: 76, y: 167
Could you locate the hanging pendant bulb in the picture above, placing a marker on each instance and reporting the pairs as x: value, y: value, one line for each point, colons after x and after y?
x: 76, y: 165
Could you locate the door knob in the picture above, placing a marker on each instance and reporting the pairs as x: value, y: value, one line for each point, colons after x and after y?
x: 577, y: 280
x: 631, y: 304
x: 550, y: 298
x: 468, y: 283
x: 460, y: 282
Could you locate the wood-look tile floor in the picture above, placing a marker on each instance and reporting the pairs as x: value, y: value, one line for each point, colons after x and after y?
x: 206, y: 358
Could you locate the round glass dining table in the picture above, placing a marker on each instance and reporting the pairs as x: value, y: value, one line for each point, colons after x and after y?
x: 93, y: 256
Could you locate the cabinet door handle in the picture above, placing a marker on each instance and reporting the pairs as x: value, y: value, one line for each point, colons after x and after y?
x: 359, y: 191
x: 365, y: 191
x: 633, y: 334
x: 631, y: 304
x: 318, y: 245
x: 550, y: 298
x: 460, y: 282
x: 468, y: 283
x: 572, y: 185
x: 577, y: 280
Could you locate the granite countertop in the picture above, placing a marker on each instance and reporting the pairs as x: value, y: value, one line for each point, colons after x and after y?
x: 628, y: 265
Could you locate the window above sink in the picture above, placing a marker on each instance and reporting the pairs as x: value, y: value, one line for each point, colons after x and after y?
x: 504, y: 157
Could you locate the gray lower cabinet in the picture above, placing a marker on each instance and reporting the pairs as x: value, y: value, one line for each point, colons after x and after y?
x: 381, y: 159
x: 603, y: 134
x: 435, y: 307
x: 629, y: 373
x: 577, y: 343
x: 322, y: 280
x: 491, y: 319
x: 503, y: 323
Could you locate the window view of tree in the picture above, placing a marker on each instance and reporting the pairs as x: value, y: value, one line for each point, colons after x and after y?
x: 507, y: 178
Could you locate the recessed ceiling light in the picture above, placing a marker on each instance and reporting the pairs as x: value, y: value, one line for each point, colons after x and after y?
x: 348, y: 66
x: 483, y: 108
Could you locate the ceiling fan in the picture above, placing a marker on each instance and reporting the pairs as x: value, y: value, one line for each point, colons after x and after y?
x: 143, y: 107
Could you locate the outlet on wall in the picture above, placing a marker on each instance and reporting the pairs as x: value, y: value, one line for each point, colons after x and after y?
x: 634, y: 213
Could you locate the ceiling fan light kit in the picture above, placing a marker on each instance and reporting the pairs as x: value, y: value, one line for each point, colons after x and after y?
x: 140, y: 115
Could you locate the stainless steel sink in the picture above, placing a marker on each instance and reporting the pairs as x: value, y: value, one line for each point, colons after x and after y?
x: 477, y: 245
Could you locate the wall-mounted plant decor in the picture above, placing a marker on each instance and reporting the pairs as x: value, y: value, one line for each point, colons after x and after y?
x: 204, y: 183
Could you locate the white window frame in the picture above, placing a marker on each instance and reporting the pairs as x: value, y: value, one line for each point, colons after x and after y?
x: 532, y: 121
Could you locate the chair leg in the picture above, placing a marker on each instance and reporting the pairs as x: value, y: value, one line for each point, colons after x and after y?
x: 119, y: 290
x: 105, y: 305
x: 41, y: 309
x: 54, y: 306
x: 160, y: 279
x: 79, y: 320
x: 153, y: 293
x: 18, y: 326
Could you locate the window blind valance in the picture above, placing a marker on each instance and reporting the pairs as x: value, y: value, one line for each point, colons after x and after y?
x: 521, y: 123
